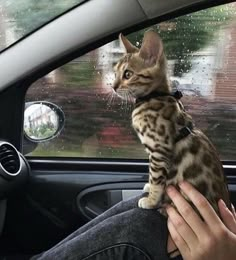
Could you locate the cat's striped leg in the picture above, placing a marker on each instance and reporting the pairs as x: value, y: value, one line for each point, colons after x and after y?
x: 157, y: 183
x: 146, y: 188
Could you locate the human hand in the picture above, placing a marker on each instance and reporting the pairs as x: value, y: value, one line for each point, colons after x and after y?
x: 196, y: 239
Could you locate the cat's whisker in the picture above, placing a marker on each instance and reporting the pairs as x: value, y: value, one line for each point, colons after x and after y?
x: 113, y: 98
x: 130, y: 102
x: 110, y: 99
x: 122, y: 95
x: 108, y: 96
x: 123, y: 101
x: 126, y: 102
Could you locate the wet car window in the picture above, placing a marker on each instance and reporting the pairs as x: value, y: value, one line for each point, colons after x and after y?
x: 201, y: 52
x: 19, y: 18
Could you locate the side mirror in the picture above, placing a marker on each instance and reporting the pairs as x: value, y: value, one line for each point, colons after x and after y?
x: 42, y: 121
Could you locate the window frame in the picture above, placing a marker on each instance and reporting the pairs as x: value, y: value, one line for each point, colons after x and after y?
x: 113, y: 36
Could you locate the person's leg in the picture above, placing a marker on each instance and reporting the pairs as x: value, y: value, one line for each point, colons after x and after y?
x: 116, y: 209
x: 132, y: 234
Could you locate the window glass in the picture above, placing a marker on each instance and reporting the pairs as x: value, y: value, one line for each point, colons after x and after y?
x: 20, y: 17
x: 201, y: 52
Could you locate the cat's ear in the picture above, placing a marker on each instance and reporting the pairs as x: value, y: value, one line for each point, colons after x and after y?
x: 129, y: 47
x: 152, y: 48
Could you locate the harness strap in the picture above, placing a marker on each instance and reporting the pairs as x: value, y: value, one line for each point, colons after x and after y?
x: 183, y: 132
x: 177, y: 95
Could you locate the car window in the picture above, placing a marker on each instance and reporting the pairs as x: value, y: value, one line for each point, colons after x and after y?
x: 19, y: 18
x: 201, y: 52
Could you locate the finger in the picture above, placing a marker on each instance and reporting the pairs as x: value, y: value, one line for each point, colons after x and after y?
x: 233, y: 211
x: 183, y: 229
x: 180, y: 243
x: 227, y: 216
x: 187, y: 212
x: 202, y: 204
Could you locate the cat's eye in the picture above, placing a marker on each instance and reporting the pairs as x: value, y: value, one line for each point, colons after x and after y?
x: 127, y: 74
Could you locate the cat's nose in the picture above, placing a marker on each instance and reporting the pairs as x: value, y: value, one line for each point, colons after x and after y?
x: 116, y: 85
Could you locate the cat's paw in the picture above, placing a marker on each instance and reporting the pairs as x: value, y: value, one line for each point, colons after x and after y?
x: 163, y: 211
x: 146, y: 188
x: 146, y: 203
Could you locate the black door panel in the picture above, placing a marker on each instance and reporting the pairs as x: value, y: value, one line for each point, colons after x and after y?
x: 76, y: 195
x: 67, y: 193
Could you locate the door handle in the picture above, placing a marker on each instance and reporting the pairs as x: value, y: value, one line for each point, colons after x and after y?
x: 95, y: 200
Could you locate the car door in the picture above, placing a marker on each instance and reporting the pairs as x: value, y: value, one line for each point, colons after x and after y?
x: 96, y: 160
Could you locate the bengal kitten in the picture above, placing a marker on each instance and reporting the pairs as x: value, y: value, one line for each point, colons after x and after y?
x: 177, y: 149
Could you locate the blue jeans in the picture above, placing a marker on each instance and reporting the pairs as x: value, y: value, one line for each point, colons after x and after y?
x: 124, y: 232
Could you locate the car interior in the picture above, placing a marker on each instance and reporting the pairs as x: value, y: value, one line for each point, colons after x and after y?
x: 46, y: 195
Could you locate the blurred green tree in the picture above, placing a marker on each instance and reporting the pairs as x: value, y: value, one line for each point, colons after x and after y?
x: 187, y: 34
x: 27, y: 15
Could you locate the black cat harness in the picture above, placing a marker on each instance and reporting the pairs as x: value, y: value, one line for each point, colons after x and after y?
x: 184, y: 131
